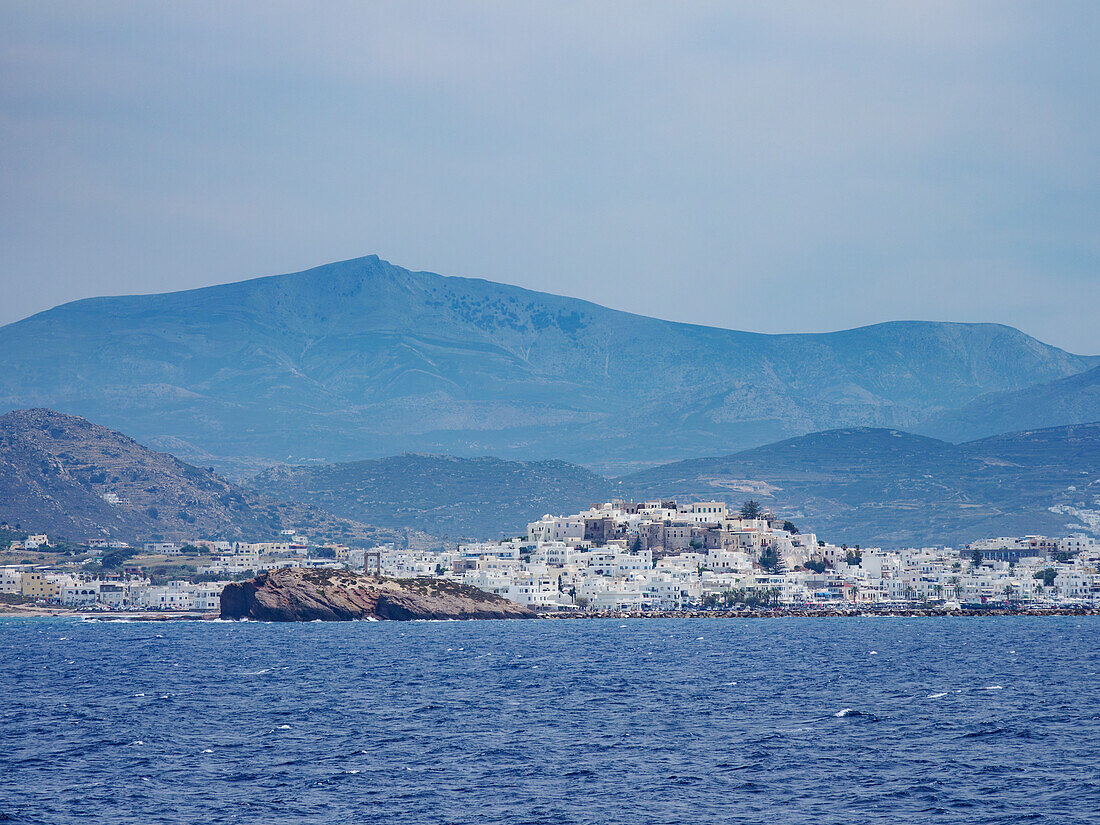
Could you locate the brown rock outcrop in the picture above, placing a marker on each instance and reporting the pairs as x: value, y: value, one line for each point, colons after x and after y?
x: 297, y: 595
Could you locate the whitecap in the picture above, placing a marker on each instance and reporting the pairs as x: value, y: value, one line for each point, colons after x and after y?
x: 699, y: 638
x: 873, y: 653
x: 137, y: 742
x: 208, y: 750
x: 354, y: 771
x: 728, y: 684
x: 283, y: 727
x: 840, y: 714
x: 936, y: 695
x: 993, y: 687
x: 138, y: 695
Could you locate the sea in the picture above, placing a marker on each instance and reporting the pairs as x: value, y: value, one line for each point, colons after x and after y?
x: 845, y: 720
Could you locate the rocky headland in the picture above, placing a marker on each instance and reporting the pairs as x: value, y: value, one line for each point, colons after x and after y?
x: 297, y: 595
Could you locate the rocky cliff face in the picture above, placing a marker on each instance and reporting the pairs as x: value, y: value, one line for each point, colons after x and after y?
x: 295, y: 595
x: 69, y: 477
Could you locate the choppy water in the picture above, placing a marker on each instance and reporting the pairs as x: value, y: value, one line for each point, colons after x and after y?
x: 646, y: 721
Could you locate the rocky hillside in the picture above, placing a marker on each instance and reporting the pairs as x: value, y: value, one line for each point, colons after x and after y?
x: 442, y: 495
x: 892, y: 488
x: 363, y: 358
x: 68, y: 477
x: 336, y: 595
x: 1072, y: 400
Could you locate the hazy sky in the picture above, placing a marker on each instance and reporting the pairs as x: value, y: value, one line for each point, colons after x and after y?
x: 771, y: 166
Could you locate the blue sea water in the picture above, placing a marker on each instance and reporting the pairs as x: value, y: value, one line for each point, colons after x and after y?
x: 852, y: 720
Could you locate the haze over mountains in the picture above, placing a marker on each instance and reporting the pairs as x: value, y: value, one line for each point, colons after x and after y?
x: 456, y: 497
x: 1071, y: 400
x: 364, y: 359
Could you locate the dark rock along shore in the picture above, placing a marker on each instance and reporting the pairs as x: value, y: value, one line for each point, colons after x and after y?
x: 297, y: 595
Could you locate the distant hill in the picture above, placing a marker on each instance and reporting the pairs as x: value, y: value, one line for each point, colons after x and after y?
x: 891, y: 488
x: 442, y: 495
x: 58, y: 471
x: 1072, y: 400
x: 363, y: 358
x: 859, y: 485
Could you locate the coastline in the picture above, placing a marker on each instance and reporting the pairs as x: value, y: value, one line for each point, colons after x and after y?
x: 40, y: 611
x: 47, y: 612
x: 828, y: 613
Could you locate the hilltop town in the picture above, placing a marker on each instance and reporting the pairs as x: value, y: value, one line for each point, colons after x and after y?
x: 615, y: 556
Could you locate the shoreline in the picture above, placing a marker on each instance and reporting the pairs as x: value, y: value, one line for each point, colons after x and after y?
x: 36, y: 611
x: 827, y: 613
x: 45, y: 612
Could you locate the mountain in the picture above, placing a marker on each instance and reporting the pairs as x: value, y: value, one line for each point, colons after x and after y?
x: 363, y: 358
x: 891, y: 488
x: 58, y: 471
x: 859, y: 485
x: 1071, y: 400
x: 442, y: 495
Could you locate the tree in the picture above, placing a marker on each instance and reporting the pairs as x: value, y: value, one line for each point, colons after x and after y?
x: 854, y: 557
x: 771, y: 560
x: 976, y: 557
x: 790, y: 528
x: 1048, y: 576
x: 750, y: 509
x: 816, y: 565
x: 114, y: 559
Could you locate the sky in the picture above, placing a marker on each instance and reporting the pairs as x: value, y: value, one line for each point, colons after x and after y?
x: 776, y: 167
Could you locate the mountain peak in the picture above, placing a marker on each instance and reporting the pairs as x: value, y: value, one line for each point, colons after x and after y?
x: 361, y: 358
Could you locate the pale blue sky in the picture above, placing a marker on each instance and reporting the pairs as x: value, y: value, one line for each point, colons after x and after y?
x: 777, y: 167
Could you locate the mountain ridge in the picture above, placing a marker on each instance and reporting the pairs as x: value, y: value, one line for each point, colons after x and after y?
x: 69, y: 477
x: 475, y: 497
x: 362, y: 358
x: 861, y: 485
x: 1074, y: 399
x: 882, y: 486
